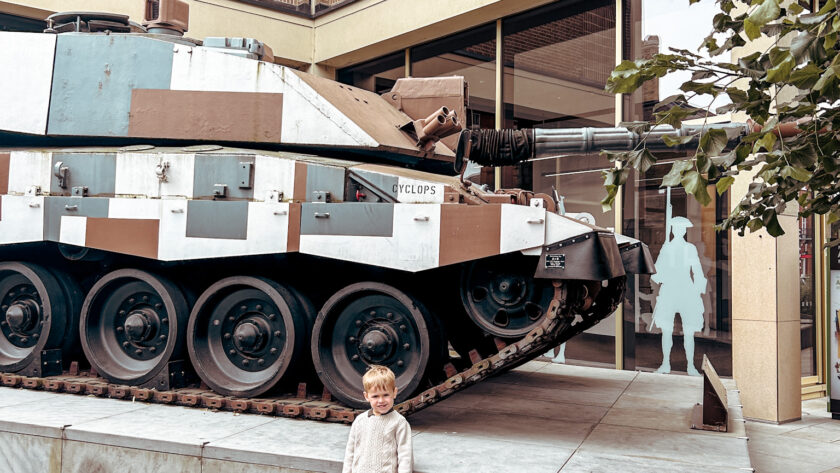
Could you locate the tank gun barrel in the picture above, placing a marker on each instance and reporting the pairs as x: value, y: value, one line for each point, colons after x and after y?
x: 509, y: 147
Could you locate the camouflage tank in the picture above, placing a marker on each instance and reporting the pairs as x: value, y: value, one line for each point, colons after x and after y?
x: 172, y: 208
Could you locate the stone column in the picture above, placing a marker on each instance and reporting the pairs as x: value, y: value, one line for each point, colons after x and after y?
x: 765, y: 317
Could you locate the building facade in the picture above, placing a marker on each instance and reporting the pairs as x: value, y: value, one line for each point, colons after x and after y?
x: 756, y: 306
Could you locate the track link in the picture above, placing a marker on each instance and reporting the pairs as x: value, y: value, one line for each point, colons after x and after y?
x: 549, y: 333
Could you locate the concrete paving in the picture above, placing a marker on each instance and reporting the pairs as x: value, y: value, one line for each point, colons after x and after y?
x: 809, y: 445
x: 541, y: 417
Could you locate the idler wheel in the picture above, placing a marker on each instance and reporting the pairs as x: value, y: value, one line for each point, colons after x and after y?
x: 372, y: 323
x: 132, y: 325
x: 596, y: 300
x: 246, y: 333
x: 502, y: 296
x: 37, y: 312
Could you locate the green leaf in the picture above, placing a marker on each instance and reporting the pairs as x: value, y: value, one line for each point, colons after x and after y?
x: 799, y: 46
x: 827, y: 79
x: 674, y: 176
x: 742, y: 151
x: 806, y: 77
x: 781, y: 72
x: 725, y: 108
x: 829, y: 5
x: 615, y: 177
x: 626, y: 77
x: 673, y: 116
x: 752, y: 30
x: 754, y: 225
x: 702, y: 74
x: 637, y: 127
x: 700, y: 88
x: 767, y: 12
x: 737, y: 96
x: 703, y: 161
x: 674, y: 140
x: 695, y: 184
x: 607, y: 201
x: 795, y: 8
x: 723, y: 184
x: 713, y: 141
x: 830, y: 41
x: 767, y: 141
x: 797, y: 173
x: 643, y: 161
x: 670, y: 100
x: 772, y: 224
x: 615, y: 156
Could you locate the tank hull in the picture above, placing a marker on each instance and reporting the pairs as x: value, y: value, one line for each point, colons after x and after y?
x: 136, y: 250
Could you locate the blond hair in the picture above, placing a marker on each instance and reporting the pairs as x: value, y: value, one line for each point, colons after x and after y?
x: 379, y: 377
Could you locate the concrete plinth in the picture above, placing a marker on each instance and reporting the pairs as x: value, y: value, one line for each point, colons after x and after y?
x: 540, y: 417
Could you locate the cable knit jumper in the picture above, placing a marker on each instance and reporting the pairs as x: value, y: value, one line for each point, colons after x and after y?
x: 379, y: 444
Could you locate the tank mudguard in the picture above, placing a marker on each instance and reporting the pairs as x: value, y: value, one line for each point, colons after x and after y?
x: 593, y: 256
x: 635, y: 255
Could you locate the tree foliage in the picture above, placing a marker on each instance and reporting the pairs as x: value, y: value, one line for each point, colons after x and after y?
x: 796, y: 78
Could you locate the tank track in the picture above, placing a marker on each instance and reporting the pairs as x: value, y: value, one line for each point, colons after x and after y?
x: 559, y: 318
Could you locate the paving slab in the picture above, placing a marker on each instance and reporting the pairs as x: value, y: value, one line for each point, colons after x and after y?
x: 767, y: 449
x: 772, y: 464
x: 555, y: 410
x: 554, y: 391
x: 458, y: 454
x: 824, y: 432
x: 14, y: 396
x: 590, y: 462
x: 673, y: 418
x: 757, y: 428
x: 290, y: 443
x: 694, y: 448
x: 169, y: 429
x: 49, y: 416
x: 516, y: 429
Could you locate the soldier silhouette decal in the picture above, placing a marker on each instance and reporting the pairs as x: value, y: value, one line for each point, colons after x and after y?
x: 682, y: 284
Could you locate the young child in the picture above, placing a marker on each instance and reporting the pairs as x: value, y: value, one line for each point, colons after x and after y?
x: 380, y: 439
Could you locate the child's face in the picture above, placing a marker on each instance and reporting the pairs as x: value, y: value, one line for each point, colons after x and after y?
x: 381, y: 400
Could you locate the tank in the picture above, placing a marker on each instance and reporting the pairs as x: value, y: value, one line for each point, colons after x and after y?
x: 181, y: 216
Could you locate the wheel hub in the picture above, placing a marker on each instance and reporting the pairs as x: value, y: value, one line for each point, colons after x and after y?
x: 508, y: 290
x: 22, y: 315
x: 378, y: 343
x: 141, y: 325
x: 250, y: 336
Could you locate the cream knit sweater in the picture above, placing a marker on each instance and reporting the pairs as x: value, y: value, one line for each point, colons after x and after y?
x: 379, y: 444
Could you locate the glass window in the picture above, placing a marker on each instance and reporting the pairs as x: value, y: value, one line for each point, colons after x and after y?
x: 580, y: 186
x: 556, y: 61
x: 471, y: 54
x: 683, y: 311
x: 807, y: 297
x: 378, y: 75
x: 685, y: 308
